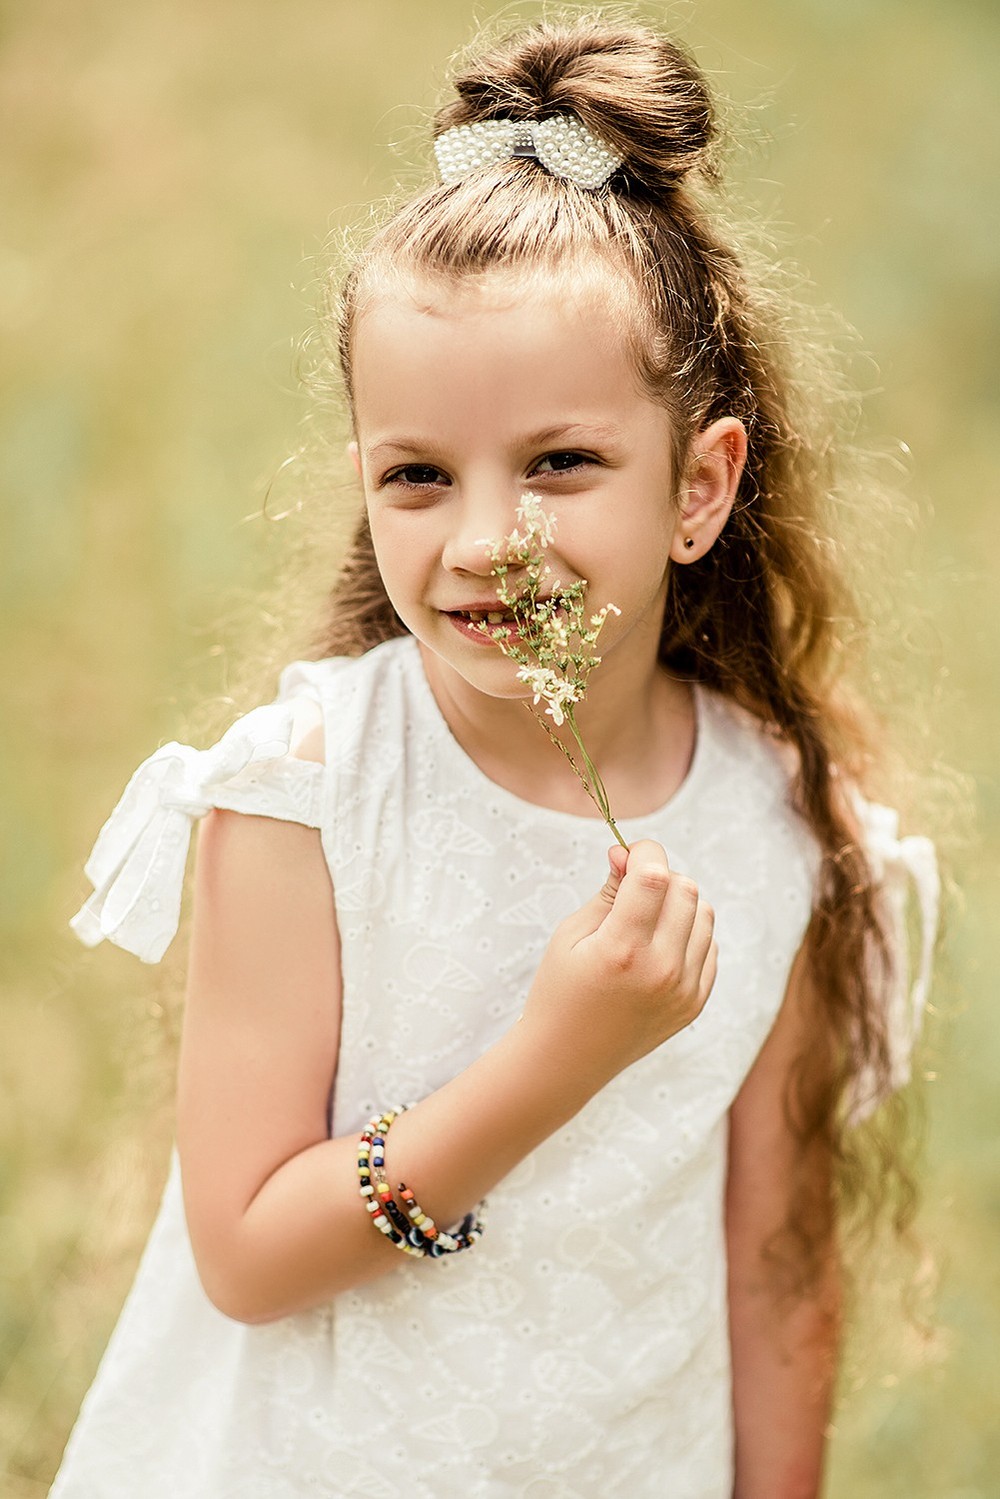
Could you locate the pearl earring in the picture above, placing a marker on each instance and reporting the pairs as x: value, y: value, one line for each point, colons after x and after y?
x: 689, y: 542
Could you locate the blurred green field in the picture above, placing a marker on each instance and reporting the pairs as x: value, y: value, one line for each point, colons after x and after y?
x: 169, y: 174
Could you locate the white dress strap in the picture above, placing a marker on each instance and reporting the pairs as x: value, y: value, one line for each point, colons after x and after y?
x: 138, y: 861
x: 900, y: 866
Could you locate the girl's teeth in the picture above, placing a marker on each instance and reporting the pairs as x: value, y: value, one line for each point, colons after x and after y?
x: 494, y: 619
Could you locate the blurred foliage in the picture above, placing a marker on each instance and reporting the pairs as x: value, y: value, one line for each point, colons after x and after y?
x: 169, y: 174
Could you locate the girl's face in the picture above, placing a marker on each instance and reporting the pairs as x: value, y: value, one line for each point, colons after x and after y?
x: 465, y: 398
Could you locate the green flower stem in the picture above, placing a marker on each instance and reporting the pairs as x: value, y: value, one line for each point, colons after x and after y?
x: 597, y: 791
x: 595, y: 786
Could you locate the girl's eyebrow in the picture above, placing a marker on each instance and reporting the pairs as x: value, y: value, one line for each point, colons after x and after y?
x: 588, y: 431
x: 579, y: 431
x: 400, y: 445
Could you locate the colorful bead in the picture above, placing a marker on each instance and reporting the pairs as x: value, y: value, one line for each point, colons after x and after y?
x: 374, y: 1195
x: 441, y: 1242
x: 421, y: 1236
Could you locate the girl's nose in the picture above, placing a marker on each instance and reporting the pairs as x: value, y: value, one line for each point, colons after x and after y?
x: 465, y: 553
x: 478, y: 529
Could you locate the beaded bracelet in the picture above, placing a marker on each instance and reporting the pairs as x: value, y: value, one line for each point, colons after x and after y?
x: 383, y: 1192
x: 424, y: 1234
x: 375, y: 1203
x: 439, y: 1242
x: 421, y: 1236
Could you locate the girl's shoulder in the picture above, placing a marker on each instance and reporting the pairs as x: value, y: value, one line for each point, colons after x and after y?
x: 331, y: 676
x: 752, y: 751
x: 741, y: 732
x: 270, y: 762
x: 761, y: 768
x: 903, y: 870
x: 753, y: 765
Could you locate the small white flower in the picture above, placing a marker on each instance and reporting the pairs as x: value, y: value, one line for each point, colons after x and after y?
x: 556, y: 690
x: 539, y: 524
x: 551, y: 644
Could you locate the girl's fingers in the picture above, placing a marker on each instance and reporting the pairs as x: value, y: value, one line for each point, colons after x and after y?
x: 643, y: 902
x: 700, y: 942
x: 639, y: 900
x: 708, y: 972
x: 677, y: 920
x: 585, y: 922
x: 616, y: 869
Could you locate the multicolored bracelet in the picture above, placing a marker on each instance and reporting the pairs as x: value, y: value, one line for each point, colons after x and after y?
x: 421, y: 1236
x: 436, y: 1241
x: 371, y: 1147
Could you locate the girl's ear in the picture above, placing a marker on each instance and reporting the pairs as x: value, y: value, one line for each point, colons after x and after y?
x: 715, y: 464
x: 352, y: 448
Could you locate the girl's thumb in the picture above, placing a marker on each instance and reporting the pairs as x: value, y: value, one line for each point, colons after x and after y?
x: 617, y: 860
x: 590, y: 916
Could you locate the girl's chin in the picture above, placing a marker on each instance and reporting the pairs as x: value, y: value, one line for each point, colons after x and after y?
x: 480, y: 666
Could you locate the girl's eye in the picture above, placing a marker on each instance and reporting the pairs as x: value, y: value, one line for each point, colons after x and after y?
x: 563, y: 462
x: 414, y: 476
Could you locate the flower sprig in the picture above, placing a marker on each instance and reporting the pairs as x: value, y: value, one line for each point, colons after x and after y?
x: 549, y: 636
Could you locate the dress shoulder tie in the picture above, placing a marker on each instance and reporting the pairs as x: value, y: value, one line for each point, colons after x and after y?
x: 138, y: 861
x: 901, y: 867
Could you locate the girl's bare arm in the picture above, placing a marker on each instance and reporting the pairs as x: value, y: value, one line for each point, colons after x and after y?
x: 784, y: 1348
x: 273, y: 1209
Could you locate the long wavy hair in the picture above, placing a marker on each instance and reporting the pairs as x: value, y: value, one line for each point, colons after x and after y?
x: 767, y: 616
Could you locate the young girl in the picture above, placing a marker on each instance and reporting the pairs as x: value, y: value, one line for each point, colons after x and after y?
x: 650, y: 1061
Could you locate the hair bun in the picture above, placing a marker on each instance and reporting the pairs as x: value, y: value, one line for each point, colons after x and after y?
x: 632, y: 87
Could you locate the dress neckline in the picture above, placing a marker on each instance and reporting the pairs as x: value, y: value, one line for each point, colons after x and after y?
x: 464, y: 764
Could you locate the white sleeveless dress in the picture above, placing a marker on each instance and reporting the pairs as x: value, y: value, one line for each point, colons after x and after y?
x: 580, y: 1349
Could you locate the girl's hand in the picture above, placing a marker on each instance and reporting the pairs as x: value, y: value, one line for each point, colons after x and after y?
x: 627, y: 971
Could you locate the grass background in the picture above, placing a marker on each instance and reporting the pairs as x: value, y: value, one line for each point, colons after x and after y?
x: 169, y: 174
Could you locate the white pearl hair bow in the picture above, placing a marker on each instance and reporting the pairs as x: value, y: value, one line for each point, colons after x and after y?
x: 562, y: 143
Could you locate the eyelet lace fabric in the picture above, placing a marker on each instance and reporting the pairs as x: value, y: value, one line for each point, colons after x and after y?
x: 581, y: 1349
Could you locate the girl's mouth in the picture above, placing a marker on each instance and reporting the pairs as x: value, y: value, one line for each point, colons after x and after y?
x: 482, y: 625
x: 487, y: 616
